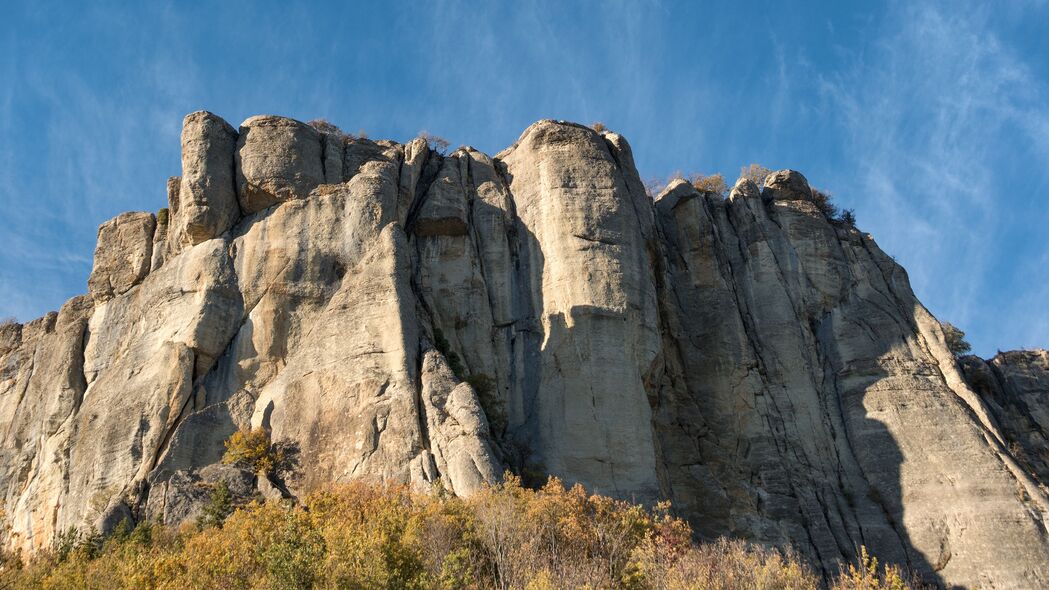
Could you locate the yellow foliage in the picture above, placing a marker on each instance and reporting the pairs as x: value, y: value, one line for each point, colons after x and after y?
x: 369, y: 536
x: 713, y: 183
x: 252, y: 449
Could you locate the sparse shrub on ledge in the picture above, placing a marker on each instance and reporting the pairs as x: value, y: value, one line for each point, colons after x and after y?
x: 755, y: 173
x: 713, y: 183
x: 253, y: 450
x: 436, y: 142
x: 366, y: 536
x: 955, y: 339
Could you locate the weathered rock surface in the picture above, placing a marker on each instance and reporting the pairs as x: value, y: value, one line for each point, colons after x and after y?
x: 207, y: 197
x: 123, y: 254
x: 395, y: 314
x: 277, y: 159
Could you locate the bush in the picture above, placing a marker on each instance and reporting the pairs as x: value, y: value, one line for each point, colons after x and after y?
x: 506, y: 536
x: 328, y: 128
x: 445, y: 348
x: 252, y: 449
x: 715, y: 183
x: 162, y: 216
x: 865, y: 575
x: 755, y: 173
x: 490, y: 401
x: 436, y: 142
x: 219, y: 507
x: 598, y: 126
x: 955, y: 339
x: 824, y: 203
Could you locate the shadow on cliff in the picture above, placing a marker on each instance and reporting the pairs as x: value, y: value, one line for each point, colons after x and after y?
x: 874, y: 492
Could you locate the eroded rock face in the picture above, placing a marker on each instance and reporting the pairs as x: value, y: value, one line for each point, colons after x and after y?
x: 277, y: 159
x: 123, y: 254
x: 395, y: 314
x: 207, y: 199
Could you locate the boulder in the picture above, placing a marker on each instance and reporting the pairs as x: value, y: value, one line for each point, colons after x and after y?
x: 123, y: 254
x: 207, y: 197
x: 277, y: 159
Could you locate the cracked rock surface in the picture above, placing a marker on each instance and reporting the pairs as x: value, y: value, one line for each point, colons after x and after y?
x: 403, y: 315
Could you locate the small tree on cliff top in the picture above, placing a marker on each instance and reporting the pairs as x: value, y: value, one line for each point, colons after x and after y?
x: 955, y: 339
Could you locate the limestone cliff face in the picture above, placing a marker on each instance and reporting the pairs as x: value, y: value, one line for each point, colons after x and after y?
x: 401, y: 315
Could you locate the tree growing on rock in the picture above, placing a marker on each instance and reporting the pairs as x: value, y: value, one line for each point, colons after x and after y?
x: 755, y: 173
x: 253, y: 449
x: 436, y: 142
x: 955, y: 339
x: 713, y: 183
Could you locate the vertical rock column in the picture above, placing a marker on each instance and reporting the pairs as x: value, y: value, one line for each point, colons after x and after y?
x: 207, y: 199
x: 588, y: 409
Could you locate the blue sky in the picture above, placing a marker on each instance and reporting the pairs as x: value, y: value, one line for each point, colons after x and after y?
x: 930, y: 120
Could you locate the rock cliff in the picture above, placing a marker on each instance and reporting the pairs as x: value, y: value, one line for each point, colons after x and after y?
x: 402, y: 315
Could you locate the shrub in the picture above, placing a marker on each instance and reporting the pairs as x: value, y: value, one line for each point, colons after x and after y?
x: 598, y: 126
x: 715, y: 183
x: 436, y: 142
x: 848, y: 217
x: 162, y: 216
x: 755, y: 173
x: 328, y: 128
x: 866, y: 575
x: 219, y: 507
x: 824, y: 203
x: 445, y: 348
x: 955, y: 339
x: 505, y: 536
x: 252, y: 449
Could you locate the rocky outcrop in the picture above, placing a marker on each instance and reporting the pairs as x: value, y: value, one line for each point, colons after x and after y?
x: 392, y: 313
x: 122, y: 258
x: 207, y: 199
x: 277, y: 159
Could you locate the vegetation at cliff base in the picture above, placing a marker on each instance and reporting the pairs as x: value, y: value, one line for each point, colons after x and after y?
x: 368, y: 536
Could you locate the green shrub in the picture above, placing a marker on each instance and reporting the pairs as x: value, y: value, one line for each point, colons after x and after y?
x: 445, y: 348
x: 491, y: 403
x: 219, y: 507
x: 955, y: 339
x: 162, y: 216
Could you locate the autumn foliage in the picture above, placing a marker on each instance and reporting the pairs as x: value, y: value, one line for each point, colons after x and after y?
x: 368, y: 536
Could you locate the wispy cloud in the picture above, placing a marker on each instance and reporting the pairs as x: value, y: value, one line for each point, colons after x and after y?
x: 924, y: 111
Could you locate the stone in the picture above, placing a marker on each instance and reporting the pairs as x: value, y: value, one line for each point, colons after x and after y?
x: 207, y: 196
x: 787, y: 185
x: 122, y: 256
x: 277, y: 159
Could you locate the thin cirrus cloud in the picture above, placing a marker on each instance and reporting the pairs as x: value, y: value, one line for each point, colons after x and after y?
x: 929, y: 121
x: 931, y: 116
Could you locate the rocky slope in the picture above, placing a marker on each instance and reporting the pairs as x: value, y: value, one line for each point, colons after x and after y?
x: 402, y: 315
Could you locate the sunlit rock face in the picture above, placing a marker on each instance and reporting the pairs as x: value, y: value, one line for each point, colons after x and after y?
x: 397, y: 314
